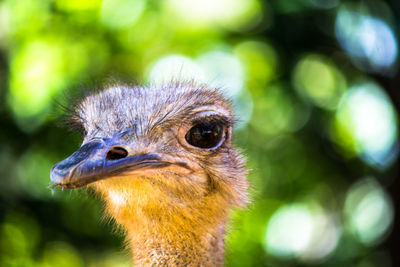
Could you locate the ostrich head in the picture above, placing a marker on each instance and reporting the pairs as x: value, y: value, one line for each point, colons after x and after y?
x: 162, y: 159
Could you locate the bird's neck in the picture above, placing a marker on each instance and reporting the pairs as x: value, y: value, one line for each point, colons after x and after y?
x: 156, y: 247
x: 165, y: 231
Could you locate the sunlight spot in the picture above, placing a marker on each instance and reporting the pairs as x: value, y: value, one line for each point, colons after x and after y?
x: 260, y: 63
x: 175, y: 67
x: 289, y: 230
x: 303, y: 231
x: 369, y: 211
x: 232, y: 14
x: 369, y: 41
x: 318, y: 80
x: 121, y: 13
x: 367, y: 124
x: 224, y: 70
x: 325, y: 237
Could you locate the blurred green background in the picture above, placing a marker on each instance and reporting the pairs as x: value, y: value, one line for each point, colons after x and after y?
x: 315, y: 88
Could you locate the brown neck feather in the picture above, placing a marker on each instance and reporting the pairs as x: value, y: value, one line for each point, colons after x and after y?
x: 151, y: 247
x: 162, y: 231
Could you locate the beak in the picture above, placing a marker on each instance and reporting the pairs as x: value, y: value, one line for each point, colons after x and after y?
x: 96, y: 160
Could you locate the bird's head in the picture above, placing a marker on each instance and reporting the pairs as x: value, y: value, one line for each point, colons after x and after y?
x: 155, y: 152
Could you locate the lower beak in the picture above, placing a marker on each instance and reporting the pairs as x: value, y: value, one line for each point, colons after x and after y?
x: 90, y: 163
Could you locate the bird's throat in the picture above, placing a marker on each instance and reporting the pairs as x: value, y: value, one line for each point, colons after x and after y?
x: 155, y: 248
x: 166, y: 232
x: 175, y: 241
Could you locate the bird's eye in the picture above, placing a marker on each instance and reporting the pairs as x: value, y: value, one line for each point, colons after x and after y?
x: 205, y: 135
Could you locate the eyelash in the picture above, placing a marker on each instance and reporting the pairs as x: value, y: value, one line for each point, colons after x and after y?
x: 212, y: 119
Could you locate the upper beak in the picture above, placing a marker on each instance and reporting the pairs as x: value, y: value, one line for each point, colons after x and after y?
x: 92, y: 162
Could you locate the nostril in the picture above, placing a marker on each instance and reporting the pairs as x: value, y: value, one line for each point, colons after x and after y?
x: 116, y: 152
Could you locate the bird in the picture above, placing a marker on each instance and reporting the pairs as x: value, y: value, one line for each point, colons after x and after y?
x: 162, y: 159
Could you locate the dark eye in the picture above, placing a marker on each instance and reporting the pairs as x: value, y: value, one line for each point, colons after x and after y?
x: 204, y: 135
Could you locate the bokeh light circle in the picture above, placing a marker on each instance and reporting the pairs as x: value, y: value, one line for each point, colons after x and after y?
x: 224, y: 70
x: 303, y: 231
x: 121, y: 13
x: 175, y: 67
x: 366, y: 123
x: 318, y: 80
x: 369, y: 41
x: 369, y: 211
x: 289, y: 230
x: 231, y: 14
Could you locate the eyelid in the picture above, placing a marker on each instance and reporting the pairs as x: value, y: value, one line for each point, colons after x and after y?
x: 211, y: 119
x: 211, y: 116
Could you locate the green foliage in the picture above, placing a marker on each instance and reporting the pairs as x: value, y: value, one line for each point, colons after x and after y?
x: 312, y: 120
